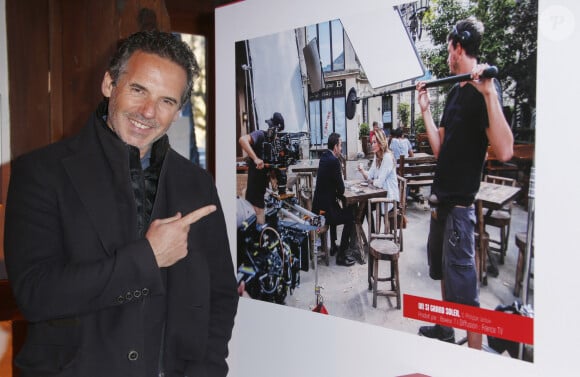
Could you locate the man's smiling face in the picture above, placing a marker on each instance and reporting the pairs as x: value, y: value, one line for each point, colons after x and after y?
x: 145, y: 100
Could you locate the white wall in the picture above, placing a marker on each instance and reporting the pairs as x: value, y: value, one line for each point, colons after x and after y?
x: 272, y: 340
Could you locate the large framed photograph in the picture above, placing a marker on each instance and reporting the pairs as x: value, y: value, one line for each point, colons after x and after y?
x: 310, y: 70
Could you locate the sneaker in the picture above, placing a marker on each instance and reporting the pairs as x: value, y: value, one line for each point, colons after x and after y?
x: 444, y: 333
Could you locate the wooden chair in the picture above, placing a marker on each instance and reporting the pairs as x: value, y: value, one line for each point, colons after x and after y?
x: 384, y: 245
x: 401, y: 208
x: 521, y: 243
x: 342, y: 160
x: 303, y: 189
x: 500, y: 218
x: 418, y: 171
x: 497, y: 168
x: 423, y: 143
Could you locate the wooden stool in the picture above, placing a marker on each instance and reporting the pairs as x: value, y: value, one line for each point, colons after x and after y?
x: 383, y: 245
x: 390, y: 254
x: 521, y: 242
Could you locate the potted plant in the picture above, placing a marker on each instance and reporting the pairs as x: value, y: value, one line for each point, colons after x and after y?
x: 363, y: 135
x: 403, y: 112
x: 422, y: 142
x: 419, y: 125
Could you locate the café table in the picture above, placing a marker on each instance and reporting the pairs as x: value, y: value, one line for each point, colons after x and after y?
x: 491, y: 196
x: 305, y: 166
x: 356, y: 196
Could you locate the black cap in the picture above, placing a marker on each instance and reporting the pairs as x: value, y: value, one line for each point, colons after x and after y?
x: 277, y: 121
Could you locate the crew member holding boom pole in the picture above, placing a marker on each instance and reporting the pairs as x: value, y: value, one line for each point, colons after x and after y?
x: 472, y: 119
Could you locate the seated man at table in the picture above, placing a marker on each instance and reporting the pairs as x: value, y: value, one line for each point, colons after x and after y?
x: 327, y: 194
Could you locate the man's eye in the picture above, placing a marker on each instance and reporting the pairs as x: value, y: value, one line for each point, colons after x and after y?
x: 168, y: 103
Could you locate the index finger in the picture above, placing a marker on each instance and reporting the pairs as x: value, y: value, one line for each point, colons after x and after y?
x: 194, y: 216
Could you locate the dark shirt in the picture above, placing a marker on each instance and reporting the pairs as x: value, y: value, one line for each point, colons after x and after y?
x: 462, y: 154
x: 257, y: 178
x: 258, y: 138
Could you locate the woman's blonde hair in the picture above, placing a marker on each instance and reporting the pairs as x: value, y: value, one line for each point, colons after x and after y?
x: 382, y: 140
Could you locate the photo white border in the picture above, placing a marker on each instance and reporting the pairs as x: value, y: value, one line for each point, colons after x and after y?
x: 4, y: 104
x: 274, y: 340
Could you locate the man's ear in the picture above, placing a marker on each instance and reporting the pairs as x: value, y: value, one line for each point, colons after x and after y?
x: 107, y: 85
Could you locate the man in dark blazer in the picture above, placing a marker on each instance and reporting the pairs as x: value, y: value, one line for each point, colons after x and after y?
x: 116, y: 246
x: 327, y: 195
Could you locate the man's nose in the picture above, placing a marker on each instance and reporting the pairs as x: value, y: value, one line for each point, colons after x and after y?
x: 148, y: 108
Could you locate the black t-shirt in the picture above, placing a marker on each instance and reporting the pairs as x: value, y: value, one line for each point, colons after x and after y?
x: 462, y: 154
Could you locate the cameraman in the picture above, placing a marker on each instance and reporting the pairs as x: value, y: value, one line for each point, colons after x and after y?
x: 253, y: 145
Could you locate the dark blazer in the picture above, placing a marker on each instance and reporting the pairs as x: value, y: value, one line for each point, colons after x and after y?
x: 329, y: 185
x: 88, y: 285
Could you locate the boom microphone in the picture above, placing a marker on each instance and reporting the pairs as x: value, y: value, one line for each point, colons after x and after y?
x: 352, y: 100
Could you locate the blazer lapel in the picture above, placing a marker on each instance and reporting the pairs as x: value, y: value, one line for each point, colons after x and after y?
x: 103, y: 190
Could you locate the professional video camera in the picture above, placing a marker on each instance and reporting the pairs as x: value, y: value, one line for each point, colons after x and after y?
x: 280, y: 150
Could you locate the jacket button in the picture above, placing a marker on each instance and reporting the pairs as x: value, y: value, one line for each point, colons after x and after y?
x: 128, y: 296
x: 120, y: 299
x: 133, y: 355
x: 145, y: 291
x: 137, y: 293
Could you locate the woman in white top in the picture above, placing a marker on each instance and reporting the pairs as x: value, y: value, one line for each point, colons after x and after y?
x: 383, y: 171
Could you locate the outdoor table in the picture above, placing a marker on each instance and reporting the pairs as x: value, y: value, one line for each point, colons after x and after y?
x: 305, y: 166
x: 491, y: 196
x: 356, y: 197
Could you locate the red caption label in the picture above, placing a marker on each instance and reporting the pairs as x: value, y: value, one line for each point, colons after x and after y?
x: 498, y: 324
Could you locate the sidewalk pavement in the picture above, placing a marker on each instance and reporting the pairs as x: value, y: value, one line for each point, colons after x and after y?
x: 345, y: 289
